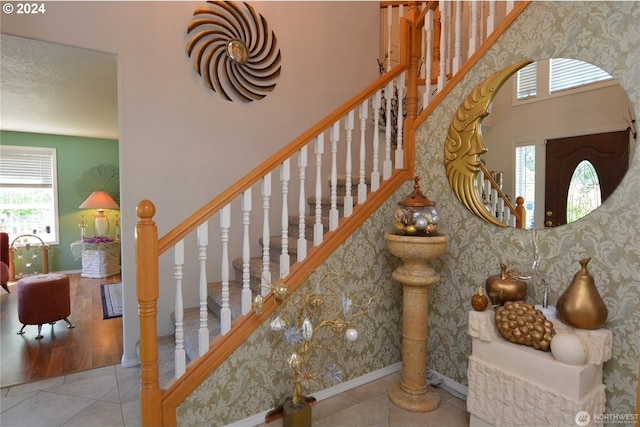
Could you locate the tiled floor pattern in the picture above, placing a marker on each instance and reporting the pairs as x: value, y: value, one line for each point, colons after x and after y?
x: 109, y: 397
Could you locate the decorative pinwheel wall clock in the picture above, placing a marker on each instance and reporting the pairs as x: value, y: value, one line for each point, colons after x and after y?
x: 233, y: 50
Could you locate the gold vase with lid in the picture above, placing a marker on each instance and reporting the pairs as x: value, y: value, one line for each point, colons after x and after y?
x: 581, y: 305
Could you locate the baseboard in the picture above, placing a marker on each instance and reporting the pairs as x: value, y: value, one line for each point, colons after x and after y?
x: 67, y: 272
x: 327, y: 393
x: 450, y: 386
x: 454, y: 388
x: 129, y: 363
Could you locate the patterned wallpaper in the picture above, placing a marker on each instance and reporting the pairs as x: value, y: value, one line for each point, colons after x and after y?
x: 256, y: 377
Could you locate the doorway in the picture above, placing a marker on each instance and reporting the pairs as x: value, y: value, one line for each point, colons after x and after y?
x: 605, y: 153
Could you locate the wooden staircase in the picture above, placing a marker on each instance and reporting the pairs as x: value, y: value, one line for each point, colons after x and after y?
x: 206, y: 334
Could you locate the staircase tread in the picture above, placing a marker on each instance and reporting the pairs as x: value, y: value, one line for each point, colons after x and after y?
x: 191, y: 325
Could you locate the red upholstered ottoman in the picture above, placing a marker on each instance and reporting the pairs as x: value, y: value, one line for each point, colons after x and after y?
x: 43, y: 298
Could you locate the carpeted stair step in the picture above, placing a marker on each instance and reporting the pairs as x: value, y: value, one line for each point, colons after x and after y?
x: 341, y: 185
x: 275, y: 247
x: 309, y: 222
x: 326, y: 204
x: 214, y: 298
x: 191, y: 324
x: 255, y: 271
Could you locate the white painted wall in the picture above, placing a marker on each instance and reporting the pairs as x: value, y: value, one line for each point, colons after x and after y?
x: 180, y: 143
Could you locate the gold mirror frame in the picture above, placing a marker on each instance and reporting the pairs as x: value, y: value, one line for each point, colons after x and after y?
x: 464, y: 144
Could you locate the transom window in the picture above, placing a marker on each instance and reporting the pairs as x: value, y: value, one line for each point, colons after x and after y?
x: 28, y: 192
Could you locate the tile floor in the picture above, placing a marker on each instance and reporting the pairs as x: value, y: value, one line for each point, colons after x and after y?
x: 109, y: 397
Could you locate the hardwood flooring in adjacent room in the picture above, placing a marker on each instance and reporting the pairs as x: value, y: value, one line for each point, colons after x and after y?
x: 93, y: 343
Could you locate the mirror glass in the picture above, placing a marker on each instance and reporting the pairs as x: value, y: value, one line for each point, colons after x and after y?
x: 535, y: 144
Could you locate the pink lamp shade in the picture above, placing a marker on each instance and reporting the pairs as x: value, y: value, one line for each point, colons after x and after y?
x: 100, y: 200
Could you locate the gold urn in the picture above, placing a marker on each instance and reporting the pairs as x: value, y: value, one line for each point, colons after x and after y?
x: 581, y: 305
x: 505, y: 287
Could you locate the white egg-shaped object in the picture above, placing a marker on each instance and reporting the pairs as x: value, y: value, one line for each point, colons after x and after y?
x: 351, y: 334
x: 307, y: 329
x: 569, y: 348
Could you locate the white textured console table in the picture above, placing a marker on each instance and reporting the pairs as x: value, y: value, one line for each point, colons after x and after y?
x: 98, y: 259
x: 516, y: 385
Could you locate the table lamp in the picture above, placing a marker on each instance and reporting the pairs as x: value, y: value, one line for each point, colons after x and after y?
x: 100, y: 200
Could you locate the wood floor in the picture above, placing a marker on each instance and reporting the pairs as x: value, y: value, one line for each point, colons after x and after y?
x: 93, y: 343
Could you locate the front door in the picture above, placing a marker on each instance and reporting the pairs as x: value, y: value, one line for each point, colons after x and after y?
x: 607, y: 153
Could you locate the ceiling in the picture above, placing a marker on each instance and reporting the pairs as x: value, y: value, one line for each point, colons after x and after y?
x: 56, y: 89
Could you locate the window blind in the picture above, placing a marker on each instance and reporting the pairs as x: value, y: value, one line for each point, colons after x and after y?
x: 526, y: 81
x: 26, y: 166
x: 566, y: 73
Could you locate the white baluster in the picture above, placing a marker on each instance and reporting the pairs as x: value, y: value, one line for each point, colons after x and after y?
x: 375, y: 172
x: 245, y: 207
x: 334, y: 136
x: 442, y: 78
x: 389, y: 26
x: 348, y: 197
x: 266, y: 239
x: 510, y: 4
x: 225, y: 311
x: 473, y: 35
x: 494, y: 202
x: 457, y: 55
x: 500, y: 211
x: 362, y: 184
x: 428, y: 26
x: 302, y: 205
x: 491, y: 19
x: 180, y: 357
x: 318, y: 228
x: 285, y: 259
x: 386, y: 164
x: 399, y: 160
x: 203, y: 330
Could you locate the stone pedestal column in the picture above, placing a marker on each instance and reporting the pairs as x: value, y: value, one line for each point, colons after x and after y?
x: 412, y: 393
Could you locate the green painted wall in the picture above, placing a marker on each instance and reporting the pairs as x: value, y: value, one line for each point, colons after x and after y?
x: 74, y: 156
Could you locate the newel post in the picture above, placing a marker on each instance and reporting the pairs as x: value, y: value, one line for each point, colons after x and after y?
x: 147, y: 290
x: 411, y: 38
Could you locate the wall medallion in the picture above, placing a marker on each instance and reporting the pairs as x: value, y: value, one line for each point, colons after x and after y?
x: 233, y: 50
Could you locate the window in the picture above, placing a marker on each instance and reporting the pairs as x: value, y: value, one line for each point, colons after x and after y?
x: 526, y: 81
x: 542, y: 79
x: 526, y: 179
x: 28, y: 192
x: 567, y: 73
x: 584, y: 191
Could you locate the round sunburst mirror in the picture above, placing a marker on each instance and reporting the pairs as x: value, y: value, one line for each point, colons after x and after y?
x: 233, y: 50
